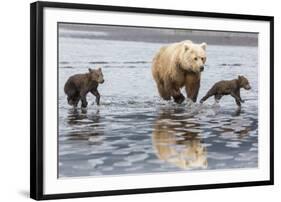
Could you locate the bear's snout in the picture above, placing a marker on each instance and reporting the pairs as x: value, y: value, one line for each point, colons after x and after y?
x: 102, y: 81
x: 247, y: 87
x: 201, y: 68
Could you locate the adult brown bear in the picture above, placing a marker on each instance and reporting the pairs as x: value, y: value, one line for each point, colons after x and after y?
x: 177, y: 65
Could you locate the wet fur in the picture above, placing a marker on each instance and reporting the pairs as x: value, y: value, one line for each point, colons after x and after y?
x: 79, y: 85
x: 173, y: 69
x: 228, y: 87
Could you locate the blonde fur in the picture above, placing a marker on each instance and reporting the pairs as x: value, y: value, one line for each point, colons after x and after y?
x: 174, y: 66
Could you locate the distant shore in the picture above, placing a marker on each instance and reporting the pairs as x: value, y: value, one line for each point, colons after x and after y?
x: 156, y: 35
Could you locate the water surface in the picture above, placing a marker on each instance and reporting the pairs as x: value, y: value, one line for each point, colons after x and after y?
x: 133, y: 131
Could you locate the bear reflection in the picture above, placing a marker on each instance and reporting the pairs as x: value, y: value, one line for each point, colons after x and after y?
x: 175, y: 143
x: 84, y: 126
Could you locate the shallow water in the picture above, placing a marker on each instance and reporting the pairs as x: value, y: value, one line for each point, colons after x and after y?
x: 133, y: 131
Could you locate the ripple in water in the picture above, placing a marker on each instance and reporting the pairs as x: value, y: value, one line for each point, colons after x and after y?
x: 133, y: 131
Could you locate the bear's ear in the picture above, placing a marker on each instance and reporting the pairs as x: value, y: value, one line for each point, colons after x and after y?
x: 186, y: 47
x: 90, y: 70
x: 99, y: 69
x: 203, y: 45
x: 239, y: 77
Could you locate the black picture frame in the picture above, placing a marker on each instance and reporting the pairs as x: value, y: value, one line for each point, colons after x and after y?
x: 36, y: 99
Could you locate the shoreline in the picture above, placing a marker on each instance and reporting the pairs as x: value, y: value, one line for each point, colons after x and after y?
x: 156, y: 35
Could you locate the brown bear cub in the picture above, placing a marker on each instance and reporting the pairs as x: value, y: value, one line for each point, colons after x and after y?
x: 230, y: 87
x: 79, y: 85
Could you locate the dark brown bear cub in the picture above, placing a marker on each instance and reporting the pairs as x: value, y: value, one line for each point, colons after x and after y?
x: 79, y: 85
x: 230, y: 87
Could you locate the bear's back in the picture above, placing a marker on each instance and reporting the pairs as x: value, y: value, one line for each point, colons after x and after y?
x: 75, y: 81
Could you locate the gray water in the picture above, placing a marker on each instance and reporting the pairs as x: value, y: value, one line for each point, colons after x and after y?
x: 133, y: 131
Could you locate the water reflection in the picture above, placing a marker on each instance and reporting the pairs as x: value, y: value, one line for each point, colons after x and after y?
x: 86, y: 126
x: 174, y: 143
x: 140, y: 138
x: 135, y: 132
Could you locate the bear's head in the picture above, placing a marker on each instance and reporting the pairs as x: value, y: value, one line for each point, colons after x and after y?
x: 192, y: 56
x: 96, y: 75
x: 243, y: 82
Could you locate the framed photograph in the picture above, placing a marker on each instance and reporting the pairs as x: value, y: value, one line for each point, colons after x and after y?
x: 136, y: 100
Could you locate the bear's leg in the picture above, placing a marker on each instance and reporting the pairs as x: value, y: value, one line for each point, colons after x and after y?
x: 83, y: 100
x: 238, y: 102
x: 218, y: 97
x: 69, y: 100
x: 235, y: 96
x: 237, y: 99
x: 71, y: 95
x: 162, y: 91
x: 73, y: 98
x: 76, y: 101
x: 206, y: 97
x: 171, y: 90
x: 96, y: 93
x: 238, y: 95
x: 192, y: 88
x: 178, y: 96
